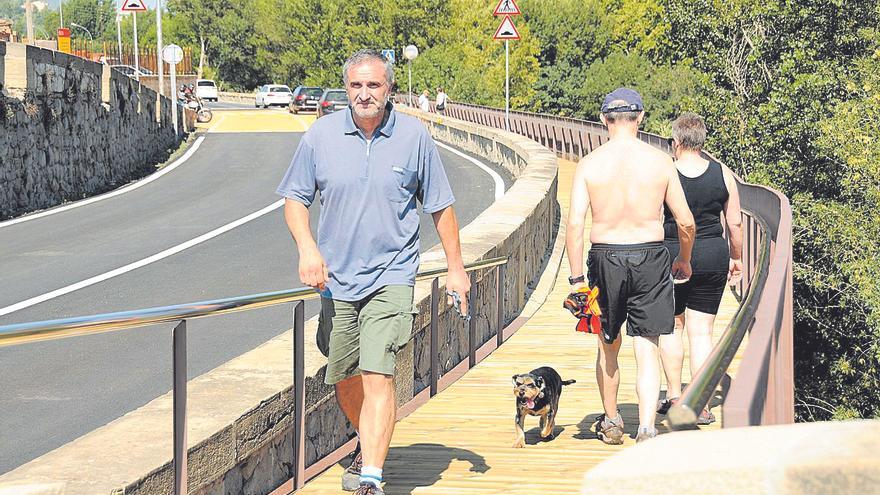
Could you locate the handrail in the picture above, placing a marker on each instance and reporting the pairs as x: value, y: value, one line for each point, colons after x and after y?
x: 21, y: 333
x: 86, y: 325
x: 683, y: 414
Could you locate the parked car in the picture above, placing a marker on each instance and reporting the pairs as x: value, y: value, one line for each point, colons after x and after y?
x: 272, y: 94
x: 206, y: 90
x: 304, y: 98
x: 331, y: 101
x: 130, y: 71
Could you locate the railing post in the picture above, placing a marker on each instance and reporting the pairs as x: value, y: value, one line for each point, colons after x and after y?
x: 178, y: 370
x: 435, y: 337
x: 499, y: 296
x: 299, y: 396
x: 472, y: 325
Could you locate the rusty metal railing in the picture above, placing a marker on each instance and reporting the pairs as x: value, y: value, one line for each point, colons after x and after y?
x: 23, y: 333
x: 763, y: 390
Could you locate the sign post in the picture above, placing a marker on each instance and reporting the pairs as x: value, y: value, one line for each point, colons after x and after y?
x: 172, y: 55
x: 135, y: 6
x: 506, y: 31
x: 159, y: 47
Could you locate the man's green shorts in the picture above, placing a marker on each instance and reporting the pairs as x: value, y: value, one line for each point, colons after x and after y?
x: 365, y: 335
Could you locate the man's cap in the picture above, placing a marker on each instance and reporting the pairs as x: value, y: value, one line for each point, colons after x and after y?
x: 631, y: 98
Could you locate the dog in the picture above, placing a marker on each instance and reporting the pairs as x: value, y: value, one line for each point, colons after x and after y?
x: 537, y: 394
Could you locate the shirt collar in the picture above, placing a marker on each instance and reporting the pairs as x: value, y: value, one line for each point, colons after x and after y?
x: 386, y: 128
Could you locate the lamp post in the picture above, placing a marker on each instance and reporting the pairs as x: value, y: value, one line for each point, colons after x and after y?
x: 409, y: 53
x: 84, y: 29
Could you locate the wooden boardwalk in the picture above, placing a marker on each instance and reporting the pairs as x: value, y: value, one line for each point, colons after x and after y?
x: 460, y: 442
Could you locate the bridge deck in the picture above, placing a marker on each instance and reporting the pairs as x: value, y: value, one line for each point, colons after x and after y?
x: 460, y: 441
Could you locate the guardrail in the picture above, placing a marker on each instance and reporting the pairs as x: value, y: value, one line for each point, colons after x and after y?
x: 24, y: 333
x: 763, y: 390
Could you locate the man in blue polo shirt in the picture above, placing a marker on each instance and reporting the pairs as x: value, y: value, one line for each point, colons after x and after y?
x: 371, y: 165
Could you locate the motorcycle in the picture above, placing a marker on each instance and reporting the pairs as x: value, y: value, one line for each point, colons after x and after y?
x: 203, y: 114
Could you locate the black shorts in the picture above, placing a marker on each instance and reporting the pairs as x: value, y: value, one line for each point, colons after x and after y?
x: 701, y: 293
x: 635, y: 285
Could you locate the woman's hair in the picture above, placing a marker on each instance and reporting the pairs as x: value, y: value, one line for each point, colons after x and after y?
x: 689, y: 130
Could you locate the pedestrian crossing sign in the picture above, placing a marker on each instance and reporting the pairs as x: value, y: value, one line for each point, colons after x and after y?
x: 506, y: 31
x: 507, y: 7
x: 389, y: 55
x: 134, y: 6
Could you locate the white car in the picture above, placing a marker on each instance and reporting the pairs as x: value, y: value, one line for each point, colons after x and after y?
x: 272, y: 94
x: 206, y: 90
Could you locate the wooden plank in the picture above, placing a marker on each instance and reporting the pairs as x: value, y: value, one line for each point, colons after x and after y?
x: 460, y: 441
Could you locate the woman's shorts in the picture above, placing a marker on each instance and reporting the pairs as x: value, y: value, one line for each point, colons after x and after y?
x: 701, y: 293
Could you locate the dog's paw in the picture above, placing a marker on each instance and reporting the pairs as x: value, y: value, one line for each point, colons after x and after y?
x: 519, y: 443
x: 547, y: 436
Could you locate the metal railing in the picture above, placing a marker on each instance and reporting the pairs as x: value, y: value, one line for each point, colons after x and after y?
x: 763, y: 390
x: 23, y: 333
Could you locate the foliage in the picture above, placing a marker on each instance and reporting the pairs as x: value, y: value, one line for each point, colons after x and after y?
x: 794, y: 105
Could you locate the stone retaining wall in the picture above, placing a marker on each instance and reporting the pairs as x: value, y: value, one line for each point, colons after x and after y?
x: 246, y: 98
x: 240, y: 413
x: 71, y: 128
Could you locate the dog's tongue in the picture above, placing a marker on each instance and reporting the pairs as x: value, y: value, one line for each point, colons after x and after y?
x: 530, y: 404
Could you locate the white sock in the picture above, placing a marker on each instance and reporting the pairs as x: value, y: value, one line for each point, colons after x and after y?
x: 371, y: 474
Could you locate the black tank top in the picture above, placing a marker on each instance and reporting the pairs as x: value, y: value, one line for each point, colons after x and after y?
x: 706, y: 195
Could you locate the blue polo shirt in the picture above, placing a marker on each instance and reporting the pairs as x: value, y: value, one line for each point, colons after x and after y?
x: 368, y: 232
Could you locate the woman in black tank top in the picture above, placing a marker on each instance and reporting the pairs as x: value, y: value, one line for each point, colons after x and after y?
x: 710, y: 189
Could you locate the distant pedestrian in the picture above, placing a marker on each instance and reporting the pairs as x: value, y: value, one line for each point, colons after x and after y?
x: 442, y: 100
x: 425, y: 101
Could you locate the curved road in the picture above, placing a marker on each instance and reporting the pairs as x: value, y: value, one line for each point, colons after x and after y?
x: 56, y: 391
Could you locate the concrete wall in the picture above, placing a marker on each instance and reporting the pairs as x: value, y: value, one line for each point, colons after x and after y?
x: 71, y: 128
x: 829, y: 458
x: 240, y: 414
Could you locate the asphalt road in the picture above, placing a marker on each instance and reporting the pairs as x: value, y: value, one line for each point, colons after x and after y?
x: 54, y: 392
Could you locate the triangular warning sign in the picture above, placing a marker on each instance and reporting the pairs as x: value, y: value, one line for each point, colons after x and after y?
x: 506, y: 7
x: 506, y: 31
x: 134, y: 6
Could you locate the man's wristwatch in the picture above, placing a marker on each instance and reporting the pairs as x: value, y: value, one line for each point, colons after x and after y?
x: 576, y: 280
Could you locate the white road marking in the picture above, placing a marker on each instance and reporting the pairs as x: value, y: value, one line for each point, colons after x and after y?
x: 144, y: 262
x: 499, y: 182
x: 117, y: 192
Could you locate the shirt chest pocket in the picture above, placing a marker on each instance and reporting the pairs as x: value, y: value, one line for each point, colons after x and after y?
x: 401, y: 184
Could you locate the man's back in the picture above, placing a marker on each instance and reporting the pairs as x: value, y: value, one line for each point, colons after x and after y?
x: 627, y: 181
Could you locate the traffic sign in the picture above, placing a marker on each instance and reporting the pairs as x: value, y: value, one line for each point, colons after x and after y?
x: 507, y: 7
x: 389, y: 55
x: 172, y: 54
x: 506, y: 31
x: 134, y: 6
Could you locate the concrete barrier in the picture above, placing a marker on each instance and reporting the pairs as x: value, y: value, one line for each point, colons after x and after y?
x: 809, y: 458
x: 240, y: 413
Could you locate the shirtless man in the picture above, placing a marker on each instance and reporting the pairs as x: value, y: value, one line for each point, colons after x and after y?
x: 625, y: 183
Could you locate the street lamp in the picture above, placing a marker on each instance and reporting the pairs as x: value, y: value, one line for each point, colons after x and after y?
x: 84, y: 29
x: 409, y: 53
